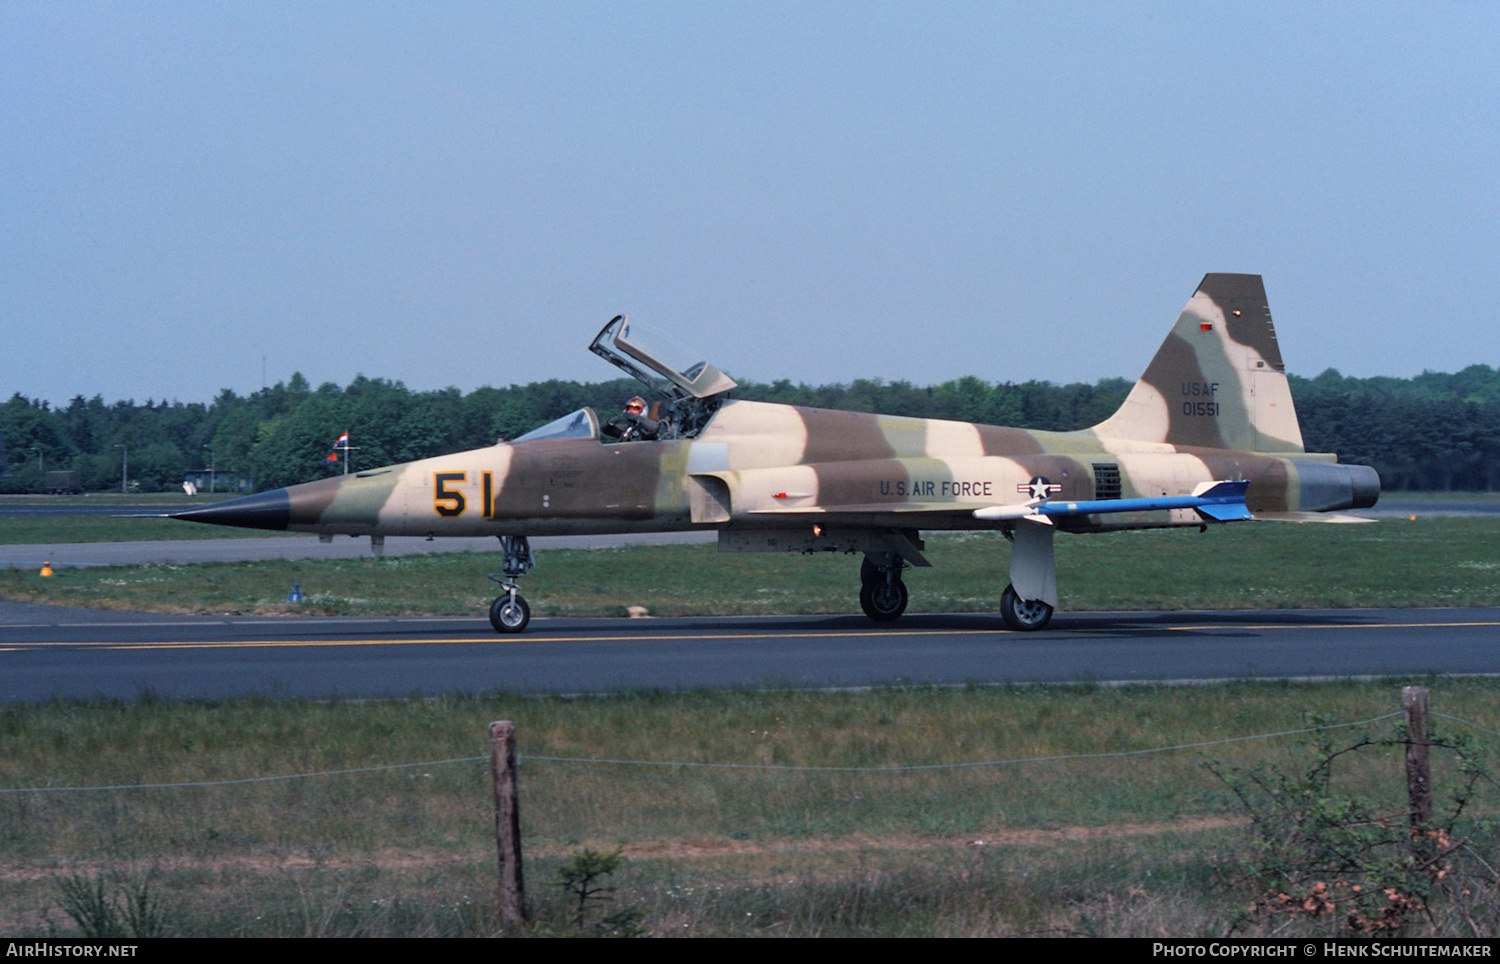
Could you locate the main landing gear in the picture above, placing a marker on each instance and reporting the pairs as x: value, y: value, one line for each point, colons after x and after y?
x: 1028, y: 601
x: 1023, y: 614
x: 509, y: 612
x: 882, y: 594
x: 1026, y: 606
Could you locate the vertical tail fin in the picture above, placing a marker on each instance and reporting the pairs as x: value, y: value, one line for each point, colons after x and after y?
x: 1218, y: 380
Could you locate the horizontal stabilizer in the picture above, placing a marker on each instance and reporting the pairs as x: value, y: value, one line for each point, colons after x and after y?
x: 1308, y: 517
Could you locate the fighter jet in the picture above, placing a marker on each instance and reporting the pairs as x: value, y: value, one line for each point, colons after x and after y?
x: 1207, y: 436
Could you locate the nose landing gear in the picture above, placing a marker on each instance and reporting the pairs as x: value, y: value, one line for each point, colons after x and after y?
x: 509, y: 613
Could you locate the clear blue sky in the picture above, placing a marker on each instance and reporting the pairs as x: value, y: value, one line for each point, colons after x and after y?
x: 462, y: 194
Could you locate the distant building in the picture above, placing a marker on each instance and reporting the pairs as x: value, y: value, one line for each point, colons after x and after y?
x: 63, y: 482
x: 222, y: 481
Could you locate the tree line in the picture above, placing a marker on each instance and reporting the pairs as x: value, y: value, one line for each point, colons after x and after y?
x: 1435, y: 431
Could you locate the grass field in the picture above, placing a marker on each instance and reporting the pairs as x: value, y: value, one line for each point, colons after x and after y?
x: 1146, y: 844
x: 1426, y: 562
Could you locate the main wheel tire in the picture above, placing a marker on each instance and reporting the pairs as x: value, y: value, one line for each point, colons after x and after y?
x: 509, y: 615
x: 869, y: 573
x: 883, y: 601
x: 1022, y: 614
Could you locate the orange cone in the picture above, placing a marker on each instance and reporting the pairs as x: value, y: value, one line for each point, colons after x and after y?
x: 46, y: 569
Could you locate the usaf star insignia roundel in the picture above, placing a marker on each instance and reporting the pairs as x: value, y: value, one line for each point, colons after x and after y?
x: 1038, y: 488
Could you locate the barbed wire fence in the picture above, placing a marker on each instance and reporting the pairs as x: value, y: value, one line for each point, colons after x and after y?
x: 675, y: 771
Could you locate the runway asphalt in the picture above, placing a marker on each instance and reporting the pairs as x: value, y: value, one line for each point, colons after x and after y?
x: 48, y: 652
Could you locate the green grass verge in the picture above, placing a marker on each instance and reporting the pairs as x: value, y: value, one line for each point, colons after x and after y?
x: 39, y: 531
x: 1137, y: 844
x: 1397, y: 563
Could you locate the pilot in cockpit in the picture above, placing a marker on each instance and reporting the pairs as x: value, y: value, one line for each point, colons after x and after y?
x: 633, y: 423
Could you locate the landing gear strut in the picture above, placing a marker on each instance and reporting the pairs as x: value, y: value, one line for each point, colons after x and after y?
x: 882, y: 594
x: 1032, y: 594
x: 509, y: 612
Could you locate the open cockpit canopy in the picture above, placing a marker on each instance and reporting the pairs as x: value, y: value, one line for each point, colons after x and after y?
x: 634, y: 350
x: 690, y: 393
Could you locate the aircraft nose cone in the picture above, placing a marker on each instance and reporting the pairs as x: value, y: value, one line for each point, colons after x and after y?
x: 264, y: 510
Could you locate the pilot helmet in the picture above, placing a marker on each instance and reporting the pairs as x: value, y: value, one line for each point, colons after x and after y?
x: 636, y: 406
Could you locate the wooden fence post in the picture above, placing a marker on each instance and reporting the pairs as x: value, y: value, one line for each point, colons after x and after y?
x: 1418, y: 775
x: 507, y: 823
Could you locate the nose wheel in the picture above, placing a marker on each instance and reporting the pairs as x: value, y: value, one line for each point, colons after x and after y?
x: 509, y: 613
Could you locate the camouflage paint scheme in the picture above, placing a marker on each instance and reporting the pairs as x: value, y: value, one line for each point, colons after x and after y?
x: 1214, y: 404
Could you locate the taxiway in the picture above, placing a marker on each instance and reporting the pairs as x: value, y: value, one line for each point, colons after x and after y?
x: 50, y: 652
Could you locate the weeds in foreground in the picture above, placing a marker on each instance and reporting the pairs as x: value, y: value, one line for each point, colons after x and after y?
x: 586, y: 879
x: 109, y: 908
x: 1324, y: 858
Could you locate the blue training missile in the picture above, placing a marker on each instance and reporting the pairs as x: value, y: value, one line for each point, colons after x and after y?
x: 1216, y: 501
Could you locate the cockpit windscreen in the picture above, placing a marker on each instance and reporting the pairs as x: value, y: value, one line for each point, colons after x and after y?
x: 580, y: 424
